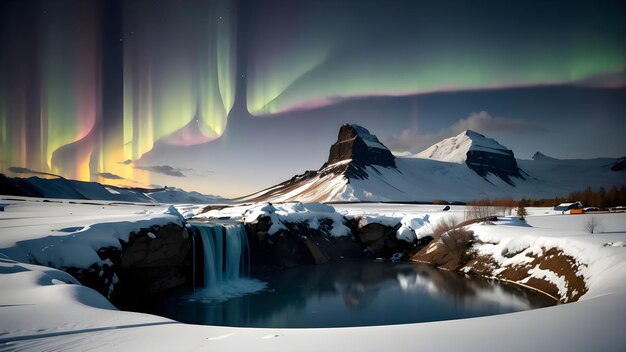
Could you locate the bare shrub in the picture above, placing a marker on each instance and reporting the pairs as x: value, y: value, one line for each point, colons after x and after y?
x: 455, y: 239
x: 478, y: 211
x: 444, y: 226
x: 592, y: 225
x: 484, y: 208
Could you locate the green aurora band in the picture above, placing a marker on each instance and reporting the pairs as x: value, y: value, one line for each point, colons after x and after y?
x: 350, y: 57
x: 178, y: 66
x: 180, y: 69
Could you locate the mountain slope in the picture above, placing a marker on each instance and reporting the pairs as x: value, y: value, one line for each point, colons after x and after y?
x: 465, y: 167
x: 481, y: 154
x: 354, y: 152
x: 61, y: 188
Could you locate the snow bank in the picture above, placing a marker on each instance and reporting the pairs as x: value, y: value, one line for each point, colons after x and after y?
x: 415, y: 227
x: 63, y: 235
x: 514, y: 244
x: 313, y: 214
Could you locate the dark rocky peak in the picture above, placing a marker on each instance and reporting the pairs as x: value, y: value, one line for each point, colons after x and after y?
x: 356, y: 143
x: 620, y: 164
x: 486, y: 156
x: 542, y: 156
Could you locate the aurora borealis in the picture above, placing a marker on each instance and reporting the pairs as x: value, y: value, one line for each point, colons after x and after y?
x: 90, y: 88
x: 175, y: 61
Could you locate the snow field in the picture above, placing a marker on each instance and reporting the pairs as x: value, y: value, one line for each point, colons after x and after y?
x: 43, y: 309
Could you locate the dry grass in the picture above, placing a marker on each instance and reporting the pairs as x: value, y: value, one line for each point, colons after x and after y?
x: 454, y: 237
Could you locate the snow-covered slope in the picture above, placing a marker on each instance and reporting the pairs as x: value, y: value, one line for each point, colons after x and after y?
x: 173, y: 195
x: 483, y: 155
x: 455, y: 149
x: 355, y: 151
x: 466, y: 167
x: 63, y: 234
x: 61, y: 188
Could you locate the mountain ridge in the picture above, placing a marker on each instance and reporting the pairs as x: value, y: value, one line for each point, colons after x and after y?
x: 62, y: 188
x: 480, y: 168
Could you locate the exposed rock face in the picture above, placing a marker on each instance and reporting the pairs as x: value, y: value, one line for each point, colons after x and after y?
x: 297, y: 245
x: 301, y: 244
x: 356, y: 143
x: 154, y: 260
x: 481, y: 154
x: 380, y: 240
x: 485, y: 156
x: 620, y: 165
x: 460, y: 254
x: 355, y: 149
x: 502, y: 164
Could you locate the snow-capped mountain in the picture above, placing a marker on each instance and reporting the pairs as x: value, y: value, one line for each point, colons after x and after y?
x: 61, y: 188
x: 468, y: 166
x: 481, y: 154
x: 352, y: 157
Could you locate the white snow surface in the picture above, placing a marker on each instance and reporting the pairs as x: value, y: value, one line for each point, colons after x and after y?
x: 43, y: 309
x: 455, y: 149
x: 417, y: 179
x: 414, y: 227
x: 60, y: 234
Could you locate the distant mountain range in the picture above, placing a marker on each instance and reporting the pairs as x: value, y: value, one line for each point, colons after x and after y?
x: 360, y: 168
x: 465, y: 167
x: 61, y: 188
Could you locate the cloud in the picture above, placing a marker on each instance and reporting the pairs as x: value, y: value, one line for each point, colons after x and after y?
x: 163, y: 169
x: 24, y: 170
x: 109, y: 176
x: 409, y: 140
x: 482, y: 122
x: 608, y: 80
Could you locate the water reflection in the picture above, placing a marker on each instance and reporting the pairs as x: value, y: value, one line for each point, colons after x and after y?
x: 357, y: 294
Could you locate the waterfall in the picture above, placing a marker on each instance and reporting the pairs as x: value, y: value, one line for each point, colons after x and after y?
x: 226, y: 261
x: 225, y: 248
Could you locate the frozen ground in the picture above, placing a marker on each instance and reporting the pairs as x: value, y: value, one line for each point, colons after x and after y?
x: 42, y: 309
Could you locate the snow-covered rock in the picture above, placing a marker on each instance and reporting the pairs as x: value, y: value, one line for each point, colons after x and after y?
x: 415, y: 227
x: 457, y: 148
x: 103, y: 246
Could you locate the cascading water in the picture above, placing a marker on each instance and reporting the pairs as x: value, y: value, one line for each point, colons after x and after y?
x: 226, y: 262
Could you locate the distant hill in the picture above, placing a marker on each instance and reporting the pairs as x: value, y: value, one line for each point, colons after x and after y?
x: 61, y: 188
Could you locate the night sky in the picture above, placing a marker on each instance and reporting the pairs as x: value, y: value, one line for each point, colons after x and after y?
x: 228, y: 97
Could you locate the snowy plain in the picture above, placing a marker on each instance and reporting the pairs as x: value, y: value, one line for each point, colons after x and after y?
x: 43, y: 309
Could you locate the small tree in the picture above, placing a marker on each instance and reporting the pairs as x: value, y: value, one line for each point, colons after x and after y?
x: 521, y: 209
x: 592, y: 225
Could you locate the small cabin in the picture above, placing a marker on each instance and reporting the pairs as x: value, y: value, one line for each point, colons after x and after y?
x: 563, y: 207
